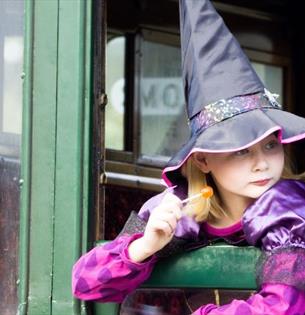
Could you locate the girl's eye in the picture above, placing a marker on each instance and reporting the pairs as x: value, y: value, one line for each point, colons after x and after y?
x: 241, y: 152
x: 272, y: 144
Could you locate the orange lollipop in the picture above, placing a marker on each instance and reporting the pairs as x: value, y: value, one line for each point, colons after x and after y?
x: 206, y: 192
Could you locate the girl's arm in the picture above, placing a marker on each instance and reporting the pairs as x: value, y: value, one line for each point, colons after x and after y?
x: 108, y: 273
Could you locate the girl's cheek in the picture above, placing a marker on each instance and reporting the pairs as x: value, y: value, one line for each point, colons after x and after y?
x: 278, y: 160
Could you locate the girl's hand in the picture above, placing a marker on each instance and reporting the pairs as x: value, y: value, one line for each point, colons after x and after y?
x: 159, y: 230
x: 162, y: 223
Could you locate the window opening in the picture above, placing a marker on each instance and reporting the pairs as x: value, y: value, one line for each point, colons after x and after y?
x: 162, y: 115
x: 157, y: 104
x: 272, y: 77
x: 115, y: 84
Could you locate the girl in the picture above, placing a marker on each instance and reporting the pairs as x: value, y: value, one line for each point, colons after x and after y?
x: 236, y: 146
x: 110, y: 272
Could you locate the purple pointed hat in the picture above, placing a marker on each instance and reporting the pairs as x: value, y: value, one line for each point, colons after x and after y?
x: 228, y: 106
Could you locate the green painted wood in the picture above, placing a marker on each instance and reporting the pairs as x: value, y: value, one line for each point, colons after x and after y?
x: 25, y: 174
x: 219, y: 266
x: 72, y: 148
x: 106, y: 309
x: 215, y: 266
x: 55, y: 154
x: 43, y: 142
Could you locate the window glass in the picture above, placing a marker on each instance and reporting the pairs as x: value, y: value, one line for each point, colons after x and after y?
x: 115, y: 81
x: 272, y: 77
x: 163, y: 120
x: 11, y: 62
x: 12, y: 92
x: 162, y: 117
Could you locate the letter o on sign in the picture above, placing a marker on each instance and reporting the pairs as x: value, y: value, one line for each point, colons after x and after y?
x: 170, y: 95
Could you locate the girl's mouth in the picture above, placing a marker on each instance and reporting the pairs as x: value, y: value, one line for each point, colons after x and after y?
x: 262, y: 182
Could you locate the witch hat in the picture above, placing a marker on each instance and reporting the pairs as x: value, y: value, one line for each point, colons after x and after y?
x: 228, y: 106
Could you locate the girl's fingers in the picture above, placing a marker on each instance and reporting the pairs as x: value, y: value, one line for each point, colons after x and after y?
x: 172, y: 230
x: 177, y: 213
x: 171, y: 198
x: 164, y: 218
x: 168, y: 208
x: 168, y: 217
x: 167, y: 226
x: 171, y: 221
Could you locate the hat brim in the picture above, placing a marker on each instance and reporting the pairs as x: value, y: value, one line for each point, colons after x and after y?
x: 236, y: 133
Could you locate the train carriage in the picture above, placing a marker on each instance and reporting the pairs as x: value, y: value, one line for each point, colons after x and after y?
x: 88, y: 91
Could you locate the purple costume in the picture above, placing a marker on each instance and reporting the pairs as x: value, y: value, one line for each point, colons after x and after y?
x: 275, y: 222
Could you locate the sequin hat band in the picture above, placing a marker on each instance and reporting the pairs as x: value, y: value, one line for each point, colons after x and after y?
x: 227, y: 108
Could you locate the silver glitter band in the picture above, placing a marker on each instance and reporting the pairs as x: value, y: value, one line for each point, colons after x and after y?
x: 226, y: 108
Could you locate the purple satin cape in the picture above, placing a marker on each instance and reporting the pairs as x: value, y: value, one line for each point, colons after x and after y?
x: 277, y: 218
x: 276, y: 223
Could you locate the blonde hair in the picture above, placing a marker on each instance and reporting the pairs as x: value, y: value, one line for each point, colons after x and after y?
x: 201, y: 209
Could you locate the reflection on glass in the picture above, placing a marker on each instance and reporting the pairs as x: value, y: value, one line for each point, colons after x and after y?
x: 11, y: 63
x: 114, y: 133
x: 12, y: 88
x: 162, y: 112
x: 272, y: 77
x: 162, y: 120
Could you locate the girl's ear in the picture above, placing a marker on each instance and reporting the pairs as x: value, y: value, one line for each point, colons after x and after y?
x: 200, y: 161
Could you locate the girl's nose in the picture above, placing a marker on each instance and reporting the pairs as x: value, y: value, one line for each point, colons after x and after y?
x: 260, y: 162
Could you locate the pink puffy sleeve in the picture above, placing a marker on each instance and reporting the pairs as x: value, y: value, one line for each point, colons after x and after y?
x: 273, y: 299
x: 106, y: 274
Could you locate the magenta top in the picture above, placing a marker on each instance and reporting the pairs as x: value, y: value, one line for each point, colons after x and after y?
x: 227, y: 231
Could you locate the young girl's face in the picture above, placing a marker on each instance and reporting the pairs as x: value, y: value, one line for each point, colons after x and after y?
x: 247, y: 173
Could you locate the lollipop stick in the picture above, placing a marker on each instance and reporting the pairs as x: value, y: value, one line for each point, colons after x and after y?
x: 185, y: 201
x: 206, y: 192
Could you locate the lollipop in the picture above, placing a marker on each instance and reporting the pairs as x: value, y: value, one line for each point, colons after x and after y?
x: 206, y: 192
